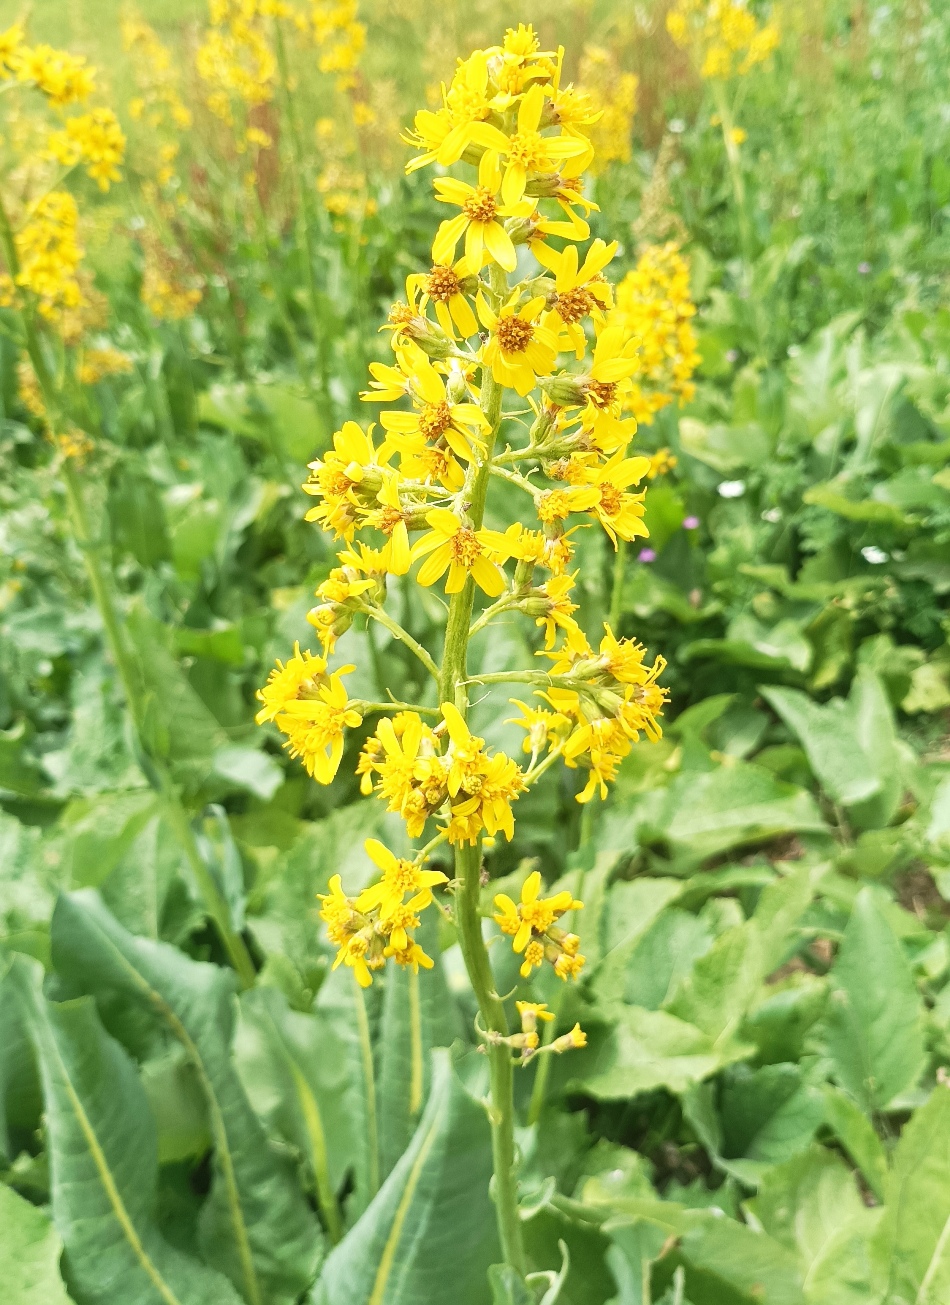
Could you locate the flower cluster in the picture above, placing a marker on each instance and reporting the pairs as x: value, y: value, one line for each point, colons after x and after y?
x: 101, y: 361
x: 49, y: 253
x: 653, y: 303
x: 170, y: 290
x: 95, y: 139
x: 157, y: 104
x: 725, y: 37
x: 380, y: 922
x: 420, y: 772
x: 62, y: 77
x: 532, y: 925
x: 236, y: 58
x: 339, y: 37
x: 406, y: 495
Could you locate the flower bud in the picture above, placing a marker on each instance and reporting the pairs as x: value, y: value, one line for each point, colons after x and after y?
x: 566, y: 389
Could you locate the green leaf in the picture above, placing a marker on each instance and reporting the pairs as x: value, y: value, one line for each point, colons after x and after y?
x: 103, y: 1165
x: 869, y: 509
x: 875, y: 1016
x: 912, y: 1246
x: 293, y: 1066
x: 508, y: 1287
x: 767, y: 1115
x: 255, y: 1225
x: 418, y: 1014
x: 851, y: 746
x: 704, y: 815
x: 29, y: 1254
x: 249, y: 769
x: 856, y: 1134
x: 725, y: 448
x: 812, y: 1206
x: 430, y: 1231
x: 647, y: 1049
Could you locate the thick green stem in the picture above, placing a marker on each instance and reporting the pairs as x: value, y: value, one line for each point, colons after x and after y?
x: 616, y: 591
x: 468, y: 861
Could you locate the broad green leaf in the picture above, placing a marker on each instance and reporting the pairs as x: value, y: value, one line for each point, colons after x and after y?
x: 647, y: 969
x: 781, y: 1020
x: 762, y: 1117
x: 255, y: 1225
x: 867, y: 509
x: 812, y: 1205
x: 249, y: 769
x: 103, y: 1164
x: 851, y: 746
x: 722, y: 985
x: 875, y: 1015
x: 704, y: 815
x: 418, y: 1014
x: 635, y: 1245
x: 346, y: 1008
x: 856, y: 1134
x: 912, y: 1246
x: 725, y: 448
x: 29, y: 1254
x: 430, y: 1231
x: 647, y: 1049
x: 293, y: 1066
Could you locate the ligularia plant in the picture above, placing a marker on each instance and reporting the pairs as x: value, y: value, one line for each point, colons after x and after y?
x: 514, y: 320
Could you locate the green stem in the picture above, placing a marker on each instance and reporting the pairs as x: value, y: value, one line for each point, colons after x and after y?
x: 305, y: 221
x: 616, y: 591
x: 468, y: 862
x: 397, y: 631
x: 737, y: 177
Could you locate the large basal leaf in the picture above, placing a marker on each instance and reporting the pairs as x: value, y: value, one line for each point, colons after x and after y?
x: 294, y: 1069
x: 875, y: 1016
x: 103, y: 1165
x: 706, y: 814
x: 851, y: 746
x: 812, y: 1206
x: 418, y: 1015
x: 646, y: 1049
x: 29, y: 1254
x: 255, y: 1226
x: 912, y: 1247
x: 429, y: 1234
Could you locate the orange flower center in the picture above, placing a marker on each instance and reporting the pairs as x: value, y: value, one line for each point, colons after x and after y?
x: 481, y: 206
x: 527, y: 149
x: 401, y: 315
x: 602, y: 393
x: 514, y: 334
x: 388, y: 519
x: 610, y: 499
x: 554, y: 506
x: 442, y: 284
x: 574, y: 304
x: 435, y: 419
x: 466, y: 550
x: 402, y: 877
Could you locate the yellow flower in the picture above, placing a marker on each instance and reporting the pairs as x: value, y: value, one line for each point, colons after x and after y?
x: 579, y: 291
x: 95, y: 138
x: 312, y: 709
x: 62, y: 77
x: 520, y: 349
x: 531, y: 922
x: 342, y: 480
x: 399, y: 878
x: 542, y: 728
x: 478, y: 220
x: 452, y: 546
x: 661, y: 462
x: 526, y: 150
x: 50, y: 255
x: 97, y: 363
x: 481, y: 788
x: 445, y: 284
x: 438, y: 418
x: 619, y: 513
x: 403, y: 753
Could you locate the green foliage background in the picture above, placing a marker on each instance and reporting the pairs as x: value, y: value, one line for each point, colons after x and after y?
x: 762, y: 1112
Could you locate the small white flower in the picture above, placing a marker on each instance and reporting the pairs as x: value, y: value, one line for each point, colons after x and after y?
x: 874, y: 555
x: 732, y: 489
x: 677, y: 126
x: 772, y: 515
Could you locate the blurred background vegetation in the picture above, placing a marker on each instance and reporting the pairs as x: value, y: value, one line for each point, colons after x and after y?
x: 796, y: 576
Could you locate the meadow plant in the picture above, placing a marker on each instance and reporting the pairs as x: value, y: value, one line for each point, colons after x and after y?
x: 512, y: 366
